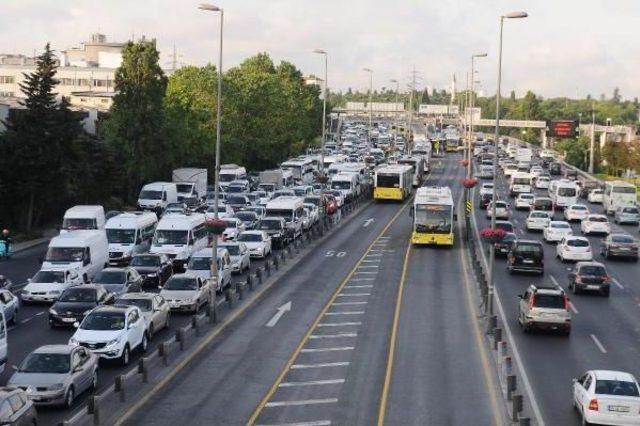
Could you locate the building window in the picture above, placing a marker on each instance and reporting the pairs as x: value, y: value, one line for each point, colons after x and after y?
x: 67, y: 82
x: 83, y: 82
x: 6, y: 94
x: 7, y: 79
x: 104, y: 101
x: 100, y: 83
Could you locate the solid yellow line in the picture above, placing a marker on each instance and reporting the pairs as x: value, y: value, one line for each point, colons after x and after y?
x: 305, y: 338
x: 392, y: 340
x: 484, y: 357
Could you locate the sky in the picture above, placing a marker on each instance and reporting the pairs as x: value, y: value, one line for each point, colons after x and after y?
x: 564, y: 48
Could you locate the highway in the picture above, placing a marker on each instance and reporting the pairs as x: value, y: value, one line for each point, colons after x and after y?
x: 604, y: 329
x: 328, y: 360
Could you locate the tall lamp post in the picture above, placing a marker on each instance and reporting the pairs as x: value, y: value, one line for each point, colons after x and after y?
x: 370, y: 71
x: 216, y: 191
x: 324, y: 108
x: 472, y: 102
x: 492, y: 253
x: 395, y: 107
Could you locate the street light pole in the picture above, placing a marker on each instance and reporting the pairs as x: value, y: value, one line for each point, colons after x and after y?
x: 324, y: 108
x: 216, y: 190
x: 492, y: 253
x: 370, y: 71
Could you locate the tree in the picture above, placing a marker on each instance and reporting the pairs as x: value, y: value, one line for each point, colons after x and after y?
x: 135, y: 125
x: 38, y: 144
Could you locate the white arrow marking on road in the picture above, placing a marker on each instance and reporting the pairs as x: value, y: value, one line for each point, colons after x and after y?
x: 368, y: 222
x: 281, y: 311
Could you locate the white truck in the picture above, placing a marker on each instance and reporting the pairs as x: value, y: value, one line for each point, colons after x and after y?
x: 190, y: 182
x: 274, y: 177
x: 618, y: 194
x: 524, y: 155
x: 229, y: 173
x: 520, y: 183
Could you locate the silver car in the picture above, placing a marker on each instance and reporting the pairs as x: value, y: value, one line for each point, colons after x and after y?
x: 186, y: 292
x: 56, y: 374
x: 627, y: 214
x: 155, y: 310
x: 544, y: 308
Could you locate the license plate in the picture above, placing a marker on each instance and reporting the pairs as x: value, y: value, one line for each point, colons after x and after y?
x: 624, y: 249
x: 593, y: 287
x: 618, y: 408
x: 68, y: 320
x: 527, y: 261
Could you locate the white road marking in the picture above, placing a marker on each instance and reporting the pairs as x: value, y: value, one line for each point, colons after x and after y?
x: 365, y: 272
x: 345, y: 313
x: 341, y: 349
x: 39, y: 313
x: 301, y: 402
x: 353, y: 294
x: 332, y: 336
x: 311, y: 383
x: 315, y: 423
x: 374, y: 255
x: 616, y: 282
x: 361, y: 279
x: 338, y: 324
x: 281, y: 311
x: 598, y: 344
x: 368, y: 222
x: 372, y: 260
x: 348, y: 303
x: 320, y: 365
x: 368, y: 266
x: 359, y: 286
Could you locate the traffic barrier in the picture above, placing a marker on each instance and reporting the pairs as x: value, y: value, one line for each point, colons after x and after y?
x: 194, y: 325
x: 119, y: 386
x: 162, y: 353
x: 249, y: 281
x: 93, y: 408
x: 497, y: 337
x: 524, y: 421
x: 516, y: 405
x: 240, y: 290
x: 276, y: 263
x: 228, y: 295
x: 143, y: 369
x: 511, y: 385
x: 180, y: 338
x: 259, y: 276
x: 491, y: 323
x: 267, y: 268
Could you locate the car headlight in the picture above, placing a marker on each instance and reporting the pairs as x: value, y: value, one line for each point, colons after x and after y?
x: 113, y: 342
x: 56, y: 386
x: 74, y: 342
x: 53, y: 311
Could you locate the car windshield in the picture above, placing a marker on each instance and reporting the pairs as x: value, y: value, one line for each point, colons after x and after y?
x: 181, y: 283
x: 255, y: 238
x: 48, y: 277
x: 227, y: 177
x: 103, y: 321
x: 143, y: 304
x: 434, y: 218
x: 231, y: 223
x: 616, y: 387
x: 560, y: 226
x: 170, y: 236
x: 234, y: 199
x: 65, y: 254
x: 150, y: 195
x: 145, y: 261
x: 287, y: 214
x: 110, y: 277
x: 508, y: 227
x: 622, y: 239
x: 526, y: 196
x: 121, y: 236
x: 46, y: 363
x: 593, y: 270
x: 623, y: 190
x: 340, y: 185
x: 578, y: 243
x: 630, y: 210
x: 267, y: 225
x: 235, y: 189
x: 77, y: 223
x: 82, y: 295
x: 539, y: 215
x: 578, y: 208
x: 551, y: 301
x: 246, y: 216
x: 199, y: 264
x: 233, y: 250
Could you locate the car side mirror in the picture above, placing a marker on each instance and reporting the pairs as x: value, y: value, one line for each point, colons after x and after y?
x: 14, y: 367
x: 76, y: 324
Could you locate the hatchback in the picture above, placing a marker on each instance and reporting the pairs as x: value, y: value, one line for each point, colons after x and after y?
x: 544, y: 308
x: 589, y: 276
x: 526, y: 256
x: 629, y: 214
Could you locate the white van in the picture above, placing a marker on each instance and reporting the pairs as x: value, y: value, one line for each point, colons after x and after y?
x: 200, y: 265
x: 290, y: 208
x: 302, y: 170
x: 229, y: 173
x: 347, y: 184
x: 179, y: 236
x: 86, y: 252
x: 520, y: 183
x: 155, y: 196
x: 564, y: 194
x: 618, y: 194
x: 129, y: 234
x: 190, y: 182
x: 83, y: 217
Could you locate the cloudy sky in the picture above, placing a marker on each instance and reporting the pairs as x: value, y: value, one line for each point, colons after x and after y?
x: 565, y: 48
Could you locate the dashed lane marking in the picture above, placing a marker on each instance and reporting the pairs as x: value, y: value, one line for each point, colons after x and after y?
x: 333, y: 336
x: 315, y: 350
x: 301, y: 402
x: 319, y: 365
x: 311, y: 383
x: 346, y: 313
x: 598, y: 344
x: 338, y: 324
x: 616, y: 282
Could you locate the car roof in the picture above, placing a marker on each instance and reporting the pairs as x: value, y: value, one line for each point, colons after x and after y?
x: 139, y: 295
x: 589, y: 263
x: 253, y: 231
x: 112, y: 308
x: 55, y: 349
x: 613, y: 375
x: 576, y: 237
x: 86, y: 286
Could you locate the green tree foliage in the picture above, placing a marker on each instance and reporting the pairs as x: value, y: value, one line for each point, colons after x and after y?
x: 36, y: 147
x: 136, y: 122
x: 574, y: 150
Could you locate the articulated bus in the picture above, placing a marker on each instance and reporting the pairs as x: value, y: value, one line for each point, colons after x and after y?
x: 433, y: 216
x: 417, y: 167
x: 393, y: 182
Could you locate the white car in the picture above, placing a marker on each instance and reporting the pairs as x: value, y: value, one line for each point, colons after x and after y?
x: 574, y: 248
x: 185, y: 292
x: 48, y: 284
x: 538, y: 220
x: 258, y: 243
x: 607, y: 397
x: 595, y: 224
x: 556, y: 231
x: 542, y: 182
x: 596, y: 196
x: 486, y: 188
x: 314, y: 215
x: 576, y: 212
x: 112, y: 332
x: 234, y: 227
x: 524, y: 201
x: 239, y: 254
x: 536, y: 171
x: 502, y: 210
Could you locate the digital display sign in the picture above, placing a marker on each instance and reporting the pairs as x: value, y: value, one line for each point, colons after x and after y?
x: 562, y: 128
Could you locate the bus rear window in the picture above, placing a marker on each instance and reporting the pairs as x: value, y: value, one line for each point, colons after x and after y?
x: 387, y: 181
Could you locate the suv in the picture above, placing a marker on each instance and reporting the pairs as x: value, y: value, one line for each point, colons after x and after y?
x: 545, y: 308
x: 591, y: 276
x: 112, y: 332
x: 276, y: 228
x: 526, y: 256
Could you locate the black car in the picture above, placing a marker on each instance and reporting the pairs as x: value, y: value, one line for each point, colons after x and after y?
x: 75, y: 302
x: 119, y: 280
x: 485, y: 199
x: 526, y: 256
x: 589, y: 276
x: 276, y: 228
x: 503, y: 247
x: 555, y: 169
x: 155, y: 269
x: 16, y: 407
x: 619, y: 245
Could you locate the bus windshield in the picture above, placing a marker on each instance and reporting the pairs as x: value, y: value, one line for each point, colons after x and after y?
x: 384, y: 180
x: 433, y: 218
